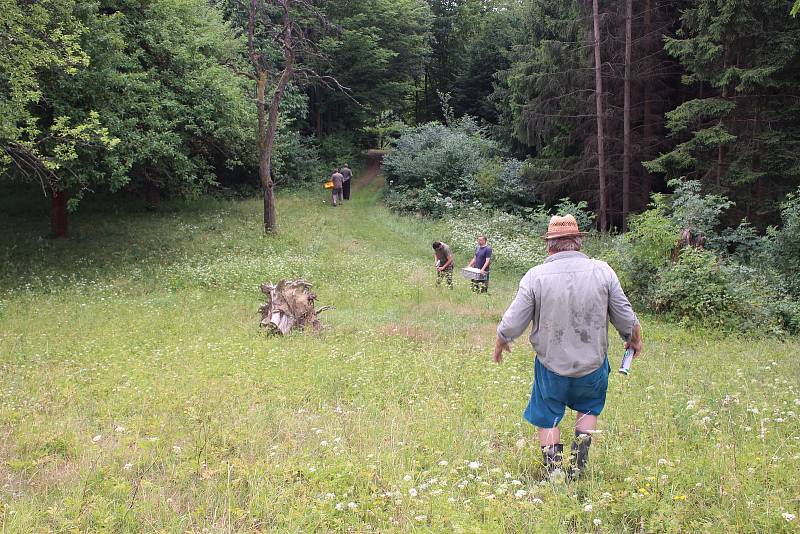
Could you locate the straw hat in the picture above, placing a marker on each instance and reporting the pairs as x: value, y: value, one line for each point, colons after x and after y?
x: 565, y: 226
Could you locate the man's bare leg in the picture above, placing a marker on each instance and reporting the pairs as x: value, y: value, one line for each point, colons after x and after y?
x: 549, y: 436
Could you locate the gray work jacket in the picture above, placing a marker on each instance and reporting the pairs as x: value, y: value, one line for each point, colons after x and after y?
x: 569, y: 299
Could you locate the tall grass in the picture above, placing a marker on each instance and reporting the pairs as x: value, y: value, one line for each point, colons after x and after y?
x: 138, y: 395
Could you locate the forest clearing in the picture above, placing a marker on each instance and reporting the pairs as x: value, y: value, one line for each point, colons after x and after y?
x: 138, y: 394
x: 422, y: 185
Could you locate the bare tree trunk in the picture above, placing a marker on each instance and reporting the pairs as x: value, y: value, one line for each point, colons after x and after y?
x: 601, y: 159
x: 58, y: 214
x: 265, y: 154
x: 647, y: 113
x: 626, y: 142
x: 318, y: 111
x: 268, y: 122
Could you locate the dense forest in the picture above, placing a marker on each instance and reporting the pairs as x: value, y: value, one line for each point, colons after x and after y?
x: 604, y: 102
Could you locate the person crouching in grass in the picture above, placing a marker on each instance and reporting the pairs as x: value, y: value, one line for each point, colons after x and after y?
x: 443, y: 259
x: 570, y: 299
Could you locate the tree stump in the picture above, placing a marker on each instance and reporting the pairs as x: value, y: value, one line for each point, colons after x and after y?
x: 290, y: 305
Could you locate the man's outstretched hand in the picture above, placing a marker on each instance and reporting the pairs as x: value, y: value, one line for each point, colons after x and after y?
x: 500, y: 346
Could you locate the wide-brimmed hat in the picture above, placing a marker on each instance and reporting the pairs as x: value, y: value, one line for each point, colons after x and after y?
x: 565, y: 226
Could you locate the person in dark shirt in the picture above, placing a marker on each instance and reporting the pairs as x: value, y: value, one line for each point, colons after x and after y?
x: 347, y: 174
x: 482, y: 260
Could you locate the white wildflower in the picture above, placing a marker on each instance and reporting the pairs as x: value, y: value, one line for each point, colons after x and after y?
x: 413, y: 492
x: 340, y: 506
x: 537, y: 500
x: 474, y: 465
x: 119, y: 429
x: 597, y: 522
x: 352, y: 505
x: 443, y: 463
x: 788, y: 517
x: 588, y: 508
x: 520, y: 493
x: 420, y: 517
x: 97, y: 438
x: 128, y: 467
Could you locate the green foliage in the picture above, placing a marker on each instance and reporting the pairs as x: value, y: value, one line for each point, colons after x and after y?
x: 438, y: 158
x: 122, y: 93
x: 782, y: 249
x: 692, y: 209
x: 696, y: 291
x: 694, y: 112
x: 747, y: 132
x: 380, y: 51
x: 702, y: 289
x: 648, y: 245
x: 39, y: 41
x: 338, y: 149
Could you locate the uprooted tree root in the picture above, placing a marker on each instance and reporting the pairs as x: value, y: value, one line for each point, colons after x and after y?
x: 289, y: 306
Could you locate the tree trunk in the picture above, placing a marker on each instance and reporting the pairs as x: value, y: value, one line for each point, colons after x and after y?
x: 647, y: 113
x: 601, y: 159
x: 289, y: 306
x: 58, y: 214
x: 265, y: 155
x: 318, y: 111
x: 626, y: 143
x: 152, y: 197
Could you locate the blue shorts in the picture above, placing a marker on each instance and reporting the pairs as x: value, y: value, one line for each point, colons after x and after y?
x: 553, y: 392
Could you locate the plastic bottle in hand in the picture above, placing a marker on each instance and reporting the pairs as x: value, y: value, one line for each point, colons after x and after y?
x: 627, y: 359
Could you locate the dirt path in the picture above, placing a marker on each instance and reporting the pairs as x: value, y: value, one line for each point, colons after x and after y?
x: 371, y: 171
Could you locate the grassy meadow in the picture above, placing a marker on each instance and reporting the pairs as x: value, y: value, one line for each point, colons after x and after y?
x: 137, y: 393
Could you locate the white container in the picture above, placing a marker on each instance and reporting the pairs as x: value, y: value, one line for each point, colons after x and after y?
x: 472, y: 273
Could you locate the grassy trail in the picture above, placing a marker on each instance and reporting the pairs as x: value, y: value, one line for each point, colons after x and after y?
x: 137, y: 394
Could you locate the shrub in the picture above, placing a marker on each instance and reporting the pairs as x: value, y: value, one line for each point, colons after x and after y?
x: 695, y: 290
x: 705, y: 290
x: 458, y: 163
x: 692, y: 209
x: 782, y: 246
x: 647, y: 246
x: 434, y: 156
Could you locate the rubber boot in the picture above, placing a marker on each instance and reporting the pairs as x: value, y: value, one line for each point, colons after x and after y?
x: 579, y: 455
x: 553, y: 457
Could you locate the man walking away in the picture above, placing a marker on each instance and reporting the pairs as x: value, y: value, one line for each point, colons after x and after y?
x: 337, y: 180
x: 481, y: 260
x: 443, y: 258
x: 569, y: 299
x: 346, y: 174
